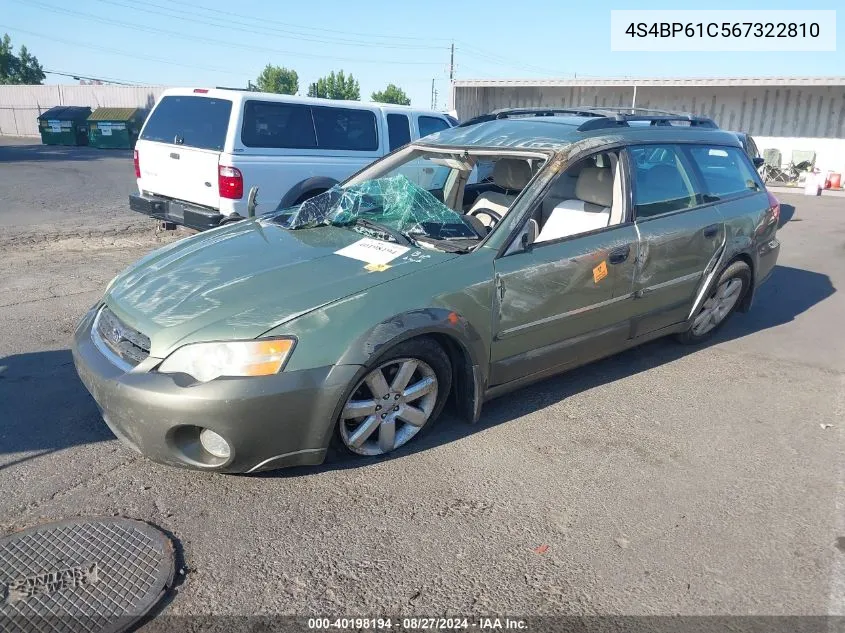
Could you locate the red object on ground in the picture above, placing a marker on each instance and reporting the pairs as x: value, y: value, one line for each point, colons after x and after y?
x: 835, y: 180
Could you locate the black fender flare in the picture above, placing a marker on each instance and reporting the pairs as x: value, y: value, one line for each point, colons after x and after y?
x: 303, y: 187
x: 464, y: 344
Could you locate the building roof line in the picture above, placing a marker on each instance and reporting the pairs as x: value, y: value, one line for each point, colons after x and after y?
x: 651, y: 81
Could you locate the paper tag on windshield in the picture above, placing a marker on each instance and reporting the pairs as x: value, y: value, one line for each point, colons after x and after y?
x: 373, y: 251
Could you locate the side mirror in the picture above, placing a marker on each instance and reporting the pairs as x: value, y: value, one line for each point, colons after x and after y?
x: 526, y: 242
x: 759, y: 162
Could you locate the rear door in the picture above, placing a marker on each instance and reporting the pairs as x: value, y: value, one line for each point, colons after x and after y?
x: 179, y: 148
x: 681, y: 234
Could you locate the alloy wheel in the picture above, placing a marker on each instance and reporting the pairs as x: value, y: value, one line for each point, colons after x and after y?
x: 389, y: 406
x: 718, y: 306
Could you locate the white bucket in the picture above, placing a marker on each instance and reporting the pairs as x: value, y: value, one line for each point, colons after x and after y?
x: 814, y: 184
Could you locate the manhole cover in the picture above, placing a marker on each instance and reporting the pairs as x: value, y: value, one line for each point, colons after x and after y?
x: 82, y: 576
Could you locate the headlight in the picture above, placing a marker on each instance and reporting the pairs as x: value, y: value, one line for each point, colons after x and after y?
x: 207, y: 361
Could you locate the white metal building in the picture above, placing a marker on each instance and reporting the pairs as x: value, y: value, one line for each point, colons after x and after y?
x: 787, y: 113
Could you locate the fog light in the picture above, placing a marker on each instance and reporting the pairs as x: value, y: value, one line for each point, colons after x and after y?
x: 215, y: 444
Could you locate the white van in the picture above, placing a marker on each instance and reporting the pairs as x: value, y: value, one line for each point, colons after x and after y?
x: 202, y: 150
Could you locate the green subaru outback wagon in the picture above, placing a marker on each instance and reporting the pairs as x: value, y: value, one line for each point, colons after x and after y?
x: 518, y: 245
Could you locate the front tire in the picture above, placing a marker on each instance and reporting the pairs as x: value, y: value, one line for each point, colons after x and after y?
x: 724, y: 297
x: 395, y: 399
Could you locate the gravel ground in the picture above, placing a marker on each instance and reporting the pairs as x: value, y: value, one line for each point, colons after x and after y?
x: 666, y: 480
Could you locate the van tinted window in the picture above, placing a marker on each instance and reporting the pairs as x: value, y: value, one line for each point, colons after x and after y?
x: 269, y: 124
x: 431, y: 124
x: 346, y: 129
x: 662, y: 180
x: 725, y: 170
x: 191, y: 121
x: 398, y: 130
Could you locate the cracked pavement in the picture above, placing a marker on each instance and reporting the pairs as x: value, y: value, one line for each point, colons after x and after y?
x: 665, y: 480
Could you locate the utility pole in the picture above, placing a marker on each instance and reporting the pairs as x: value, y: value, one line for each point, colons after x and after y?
x: 432, y: 93
x: 452, y: 63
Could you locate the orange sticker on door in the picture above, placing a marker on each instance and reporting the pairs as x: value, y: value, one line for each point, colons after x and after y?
x: 600, y: 272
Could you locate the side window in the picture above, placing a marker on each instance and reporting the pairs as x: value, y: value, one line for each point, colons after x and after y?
x: 431, y: 124
x: 398, y: 130
x: 726, y: 171
x: 663, y: 180
x: 587, y: 197
x: 753, y: 152
x: 278, y: 125
x: 345, y: 129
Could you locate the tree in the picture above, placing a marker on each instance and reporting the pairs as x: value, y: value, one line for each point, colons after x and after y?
x: 392, y: 94
x: 336, y: 86
x: 22, y: 68
x: 278, y: 79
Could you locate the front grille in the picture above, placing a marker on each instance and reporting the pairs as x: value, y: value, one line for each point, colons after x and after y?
x: 123, y: 341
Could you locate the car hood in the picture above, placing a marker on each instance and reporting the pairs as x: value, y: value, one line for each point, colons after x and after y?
x: 238, y: 282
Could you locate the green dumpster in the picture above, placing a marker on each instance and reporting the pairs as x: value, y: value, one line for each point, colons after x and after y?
x: 64, y: 125
x: 115, y: 128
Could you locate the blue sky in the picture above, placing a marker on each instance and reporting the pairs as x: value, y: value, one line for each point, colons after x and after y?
x: 406, y: 43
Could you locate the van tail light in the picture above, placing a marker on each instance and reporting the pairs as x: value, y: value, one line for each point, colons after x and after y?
x: 137, y: 164
x: 774, y: 208
x: 230, y: 182
x: 201, y: 90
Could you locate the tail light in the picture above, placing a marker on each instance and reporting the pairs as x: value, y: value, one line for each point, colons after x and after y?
x: 137, y: 164
x: 230, y: 182
x: 774, y: 208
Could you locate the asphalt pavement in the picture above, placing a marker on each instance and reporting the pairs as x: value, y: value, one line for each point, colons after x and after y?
x: 665, y: 480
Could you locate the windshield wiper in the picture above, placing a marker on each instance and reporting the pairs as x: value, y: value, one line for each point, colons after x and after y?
x: 399, y: 236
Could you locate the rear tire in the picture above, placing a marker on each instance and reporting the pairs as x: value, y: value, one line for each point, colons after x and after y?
x: 724, y: 297
x: 308, y: 196
x: 395, y: 399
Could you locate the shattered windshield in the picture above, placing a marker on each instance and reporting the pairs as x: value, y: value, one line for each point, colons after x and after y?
x: 393, y: 202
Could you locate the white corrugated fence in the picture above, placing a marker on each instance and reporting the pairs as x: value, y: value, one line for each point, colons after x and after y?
x: 21, y: 105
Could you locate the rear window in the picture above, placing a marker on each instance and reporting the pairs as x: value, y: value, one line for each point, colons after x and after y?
x: 725, y: 170
x: 300, y: 126
x: 192, y: 121
x: 268, y: 124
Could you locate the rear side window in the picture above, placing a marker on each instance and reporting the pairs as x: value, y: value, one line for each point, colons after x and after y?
x: 725, y: 171
x: 191, y: 121
x: 345, y: 129
x: 268, y: 124
x: 662, y: 180
x: 398, y: 130
x: 431, y: 124
x: 753, y: 152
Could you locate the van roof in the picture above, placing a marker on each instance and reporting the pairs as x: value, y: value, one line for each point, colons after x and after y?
x: 236, y: 95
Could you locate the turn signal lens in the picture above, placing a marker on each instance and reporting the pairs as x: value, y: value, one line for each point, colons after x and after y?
x: 207, y: 361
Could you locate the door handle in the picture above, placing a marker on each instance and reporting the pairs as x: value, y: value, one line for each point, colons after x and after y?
x: 711, y: 231
x: 619, y: 255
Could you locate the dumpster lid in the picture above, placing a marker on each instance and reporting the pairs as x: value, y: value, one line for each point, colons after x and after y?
x: 115, y: 114
x: 66, y: 113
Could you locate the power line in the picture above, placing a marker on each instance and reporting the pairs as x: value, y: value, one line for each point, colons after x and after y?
x: 114, y: 51
x: 310, y: 28
x: 229, y: 24
x: 121, y: 82
x: 213, y: 42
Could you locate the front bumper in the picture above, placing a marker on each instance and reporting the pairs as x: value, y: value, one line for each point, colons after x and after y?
x: 269, y: 422
x: 176, y: 211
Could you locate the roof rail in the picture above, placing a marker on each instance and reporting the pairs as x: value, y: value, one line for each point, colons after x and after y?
x: 602, y: 117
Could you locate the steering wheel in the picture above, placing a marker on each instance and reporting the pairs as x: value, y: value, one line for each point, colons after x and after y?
x: 495, y: 218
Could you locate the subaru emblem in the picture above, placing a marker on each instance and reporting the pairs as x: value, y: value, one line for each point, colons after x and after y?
x: 116, y: 335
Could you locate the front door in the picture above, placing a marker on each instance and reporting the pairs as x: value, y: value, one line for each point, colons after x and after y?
x: 566, y: 299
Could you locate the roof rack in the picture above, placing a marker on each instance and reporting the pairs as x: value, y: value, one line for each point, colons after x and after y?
x: 601, y: 117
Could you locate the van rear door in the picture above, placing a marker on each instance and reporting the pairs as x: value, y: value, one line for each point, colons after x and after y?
x: 179, y: 148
